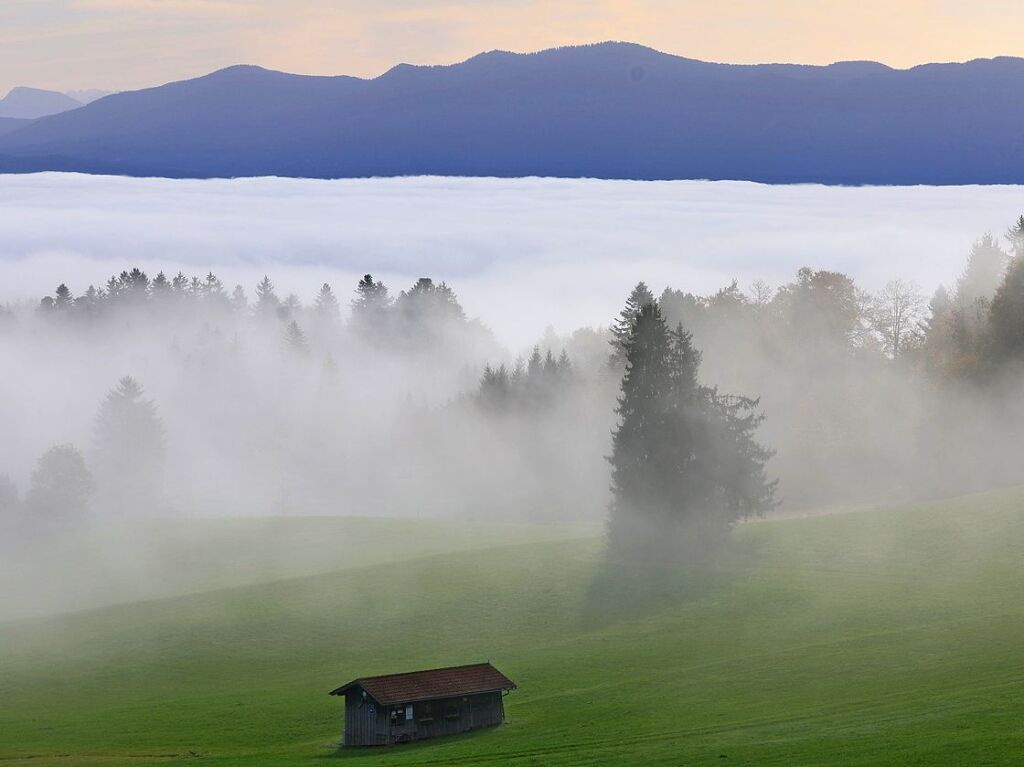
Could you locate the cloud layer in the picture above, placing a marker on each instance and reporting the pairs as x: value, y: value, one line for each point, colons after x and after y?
x: 522, y: 254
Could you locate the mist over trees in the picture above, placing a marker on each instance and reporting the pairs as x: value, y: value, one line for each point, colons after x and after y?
x: 372, y: 401
x: 685, y: 465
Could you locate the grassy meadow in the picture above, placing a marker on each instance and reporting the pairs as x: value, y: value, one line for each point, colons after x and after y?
x: 888, y: 636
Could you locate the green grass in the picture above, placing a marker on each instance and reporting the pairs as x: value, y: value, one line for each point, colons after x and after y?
x: 881, y: 637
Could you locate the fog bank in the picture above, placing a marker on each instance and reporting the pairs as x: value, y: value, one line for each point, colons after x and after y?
x: 523, y: 253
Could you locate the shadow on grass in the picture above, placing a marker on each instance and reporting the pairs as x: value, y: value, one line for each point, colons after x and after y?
x: 631, y: 588
x: 393, y: 751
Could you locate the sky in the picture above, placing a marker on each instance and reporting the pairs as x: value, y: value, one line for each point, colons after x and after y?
x: 521, y: 254
x: 127, y: 44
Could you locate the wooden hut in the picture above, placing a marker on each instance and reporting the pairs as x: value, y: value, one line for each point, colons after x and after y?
x: 398, y: 708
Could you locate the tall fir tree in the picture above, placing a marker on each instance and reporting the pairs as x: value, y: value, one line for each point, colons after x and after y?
x: 326, y: 305
x: 638, y: 298
x: 129, y: 444
x: 370, y: 306
x: 295, y: 339
x: 267, y: 302
x: 685, y: 464
x: 1004, y: 345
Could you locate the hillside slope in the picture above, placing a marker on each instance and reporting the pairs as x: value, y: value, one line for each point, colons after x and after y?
x: 613, y: 110
x: 887, y: 637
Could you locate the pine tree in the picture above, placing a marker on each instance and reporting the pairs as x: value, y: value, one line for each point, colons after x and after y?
x: 160, y: 287
x: 239, y: 301
x: 62, y: 298
x: 1005, y: 339
x: 370, y: 305
x: 267, y: 302
x: 495, y: 388
x: 213, y: 290
x: 89, y: 303
x: 986, y: 264
x: 639, y: 297
x: 129, y: 449
x: 134, y: 285
x: 295, y: 339
x: 428, y: 307
x: 564, y: 365
x: 326, y: 304
x: 685, y: 465
x: 180, y: 285
x: 1015, y: 236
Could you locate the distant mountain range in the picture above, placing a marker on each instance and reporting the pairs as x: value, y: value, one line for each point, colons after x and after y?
x: 30, y: 103
x: 612, y: 110
x: 24, y: 103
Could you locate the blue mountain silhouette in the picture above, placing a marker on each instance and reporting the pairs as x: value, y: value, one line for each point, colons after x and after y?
x: 611, y: 110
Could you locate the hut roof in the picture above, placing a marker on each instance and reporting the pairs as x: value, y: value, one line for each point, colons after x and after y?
x: 434, y: 683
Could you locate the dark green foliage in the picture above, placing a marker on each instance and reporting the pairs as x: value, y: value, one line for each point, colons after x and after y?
x: 639, y: 297
x: 685, y: 465
x: 61, y: 487
x: 129, y: 448
x: 1015, y: 236
x: 1006, y: 320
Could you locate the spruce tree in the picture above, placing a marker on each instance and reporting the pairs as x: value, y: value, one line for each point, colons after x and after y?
x: 1005, y: 341
x: 986, y: 264
x: 370, y: 306
x: 1015, y: 236
x: 267, y: 302
x: 685, y: 465
x: 295, y: 339
x: 239, y: 301
x: 638, y: 298
x: 62, y: 298
x: 129, y: 449
x: 326, y: 305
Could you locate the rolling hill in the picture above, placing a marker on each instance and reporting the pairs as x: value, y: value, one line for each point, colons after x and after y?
x: 612, y: 110
x: 881, y: 637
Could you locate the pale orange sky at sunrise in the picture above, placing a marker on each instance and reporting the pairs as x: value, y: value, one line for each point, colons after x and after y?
x: 124, y: 44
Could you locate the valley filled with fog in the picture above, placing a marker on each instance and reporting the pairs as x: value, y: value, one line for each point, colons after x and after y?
x: 445, y: 348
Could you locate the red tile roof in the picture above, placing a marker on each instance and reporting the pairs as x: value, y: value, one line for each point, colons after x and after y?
x: 429, y: 685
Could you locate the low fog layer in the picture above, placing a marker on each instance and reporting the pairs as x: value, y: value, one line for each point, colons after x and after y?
x: 523, y: 253
x: 182, y: 349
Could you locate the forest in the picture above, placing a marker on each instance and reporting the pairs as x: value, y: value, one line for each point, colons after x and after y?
x: 147, y: 396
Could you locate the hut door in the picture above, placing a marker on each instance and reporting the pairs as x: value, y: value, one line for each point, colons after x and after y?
x: 376, y: 723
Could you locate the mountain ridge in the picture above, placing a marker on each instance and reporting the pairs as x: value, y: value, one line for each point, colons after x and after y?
x: 606, y: 110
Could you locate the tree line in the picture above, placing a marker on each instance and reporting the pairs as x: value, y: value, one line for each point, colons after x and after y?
x: 830, y: 364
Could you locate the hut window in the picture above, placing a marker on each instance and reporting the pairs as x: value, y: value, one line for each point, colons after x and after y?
x: 398, y: 715
x: 408, y: 712
x: 424, y: 712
